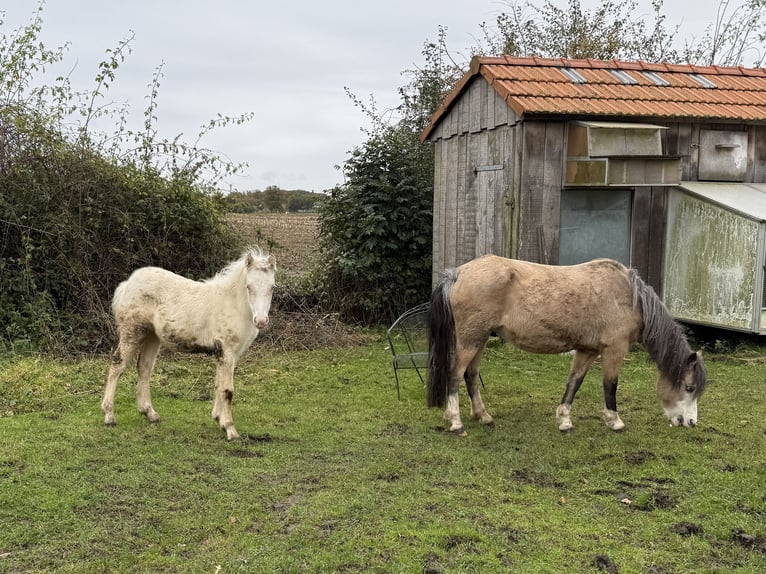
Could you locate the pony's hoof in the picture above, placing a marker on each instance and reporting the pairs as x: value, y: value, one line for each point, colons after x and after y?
x: 110, y: 421
x: 231, y: 433
x: 485, y: 418
x: 566, y: 427
x: 613, y: 420
x: 460, y: 431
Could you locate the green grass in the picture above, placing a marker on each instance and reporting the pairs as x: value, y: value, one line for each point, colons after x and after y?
x: 333, y: 474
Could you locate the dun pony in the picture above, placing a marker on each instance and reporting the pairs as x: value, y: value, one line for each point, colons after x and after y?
x: 595, y: 309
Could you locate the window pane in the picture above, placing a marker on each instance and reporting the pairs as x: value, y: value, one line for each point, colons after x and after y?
x: 595, y: 223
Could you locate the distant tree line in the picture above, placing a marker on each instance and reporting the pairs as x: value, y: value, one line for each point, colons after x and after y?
x: 272, y: 199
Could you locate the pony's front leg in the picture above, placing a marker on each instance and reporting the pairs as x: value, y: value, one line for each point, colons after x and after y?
x: 611, y: 417
x: 580, y: 365
x: 611, y: 363
x: 224, y: 393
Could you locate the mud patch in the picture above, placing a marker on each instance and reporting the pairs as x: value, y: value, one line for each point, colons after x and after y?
x: 687, y: 529
x: 604, y: 564
x: 751, y: 542
x: 638, y: 457
x: 394, y: 430
x: 248, y: 438
x: 466, y: 543
x: 532, y: 478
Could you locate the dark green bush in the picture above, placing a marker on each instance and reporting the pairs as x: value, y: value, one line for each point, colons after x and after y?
x: 375, y: 230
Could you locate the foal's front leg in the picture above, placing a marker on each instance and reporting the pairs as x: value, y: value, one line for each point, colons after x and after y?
x: 224, y: 393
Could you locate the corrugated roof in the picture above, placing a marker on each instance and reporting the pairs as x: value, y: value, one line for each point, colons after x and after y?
x: 531, y: 85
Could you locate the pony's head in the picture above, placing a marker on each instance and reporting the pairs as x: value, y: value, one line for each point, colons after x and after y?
x: 679, y: 398
x: 259, y: 270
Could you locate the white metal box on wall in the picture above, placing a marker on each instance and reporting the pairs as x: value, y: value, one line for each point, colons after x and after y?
x: 715, y: 253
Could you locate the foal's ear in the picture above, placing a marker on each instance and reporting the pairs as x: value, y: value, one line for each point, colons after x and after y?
x: 272, y: 262
x: 693, y: 358
x: 249, y: 260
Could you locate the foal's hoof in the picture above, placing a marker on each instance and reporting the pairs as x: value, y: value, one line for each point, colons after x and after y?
x: 566, y: 426
x: 460, y: 431
x: 110, y: 421
x: 231, y: 433
x: 152, y: 416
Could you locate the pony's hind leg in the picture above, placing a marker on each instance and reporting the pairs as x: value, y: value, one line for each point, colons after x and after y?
x: 465, y: 368
x: 580, y: 366
x: 478, y: 411
x: 122, y: 357
x: 146, y: 359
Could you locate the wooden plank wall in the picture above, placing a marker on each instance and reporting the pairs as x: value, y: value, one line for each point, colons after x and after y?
x: 540, y: 193
x: 471, y: 203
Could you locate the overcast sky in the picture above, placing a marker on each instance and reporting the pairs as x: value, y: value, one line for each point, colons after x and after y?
x: 286, y: 61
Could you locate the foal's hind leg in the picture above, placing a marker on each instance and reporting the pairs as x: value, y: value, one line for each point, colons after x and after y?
x: 148, y: 355
x: 224, y: 393
x: 122, y: 357
x: 580, y: 365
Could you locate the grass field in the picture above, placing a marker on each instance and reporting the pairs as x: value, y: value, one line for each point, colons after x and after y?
x: 333, y: 474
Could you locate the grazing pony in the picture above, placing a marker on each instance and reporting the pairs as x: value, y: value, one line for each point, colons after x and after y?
x: 596, y: 309
x: 220, y: 317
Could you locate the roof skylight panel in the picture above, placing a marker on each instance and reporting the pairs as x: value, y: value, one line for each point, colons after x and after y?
x: 702, y: 81
x: 573, y: 75
x: 623, y: 76
x: 656, y: 79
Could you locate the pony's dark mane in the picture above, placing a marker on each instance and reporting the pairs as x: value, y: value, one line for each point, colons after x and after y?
x: 663, y: 338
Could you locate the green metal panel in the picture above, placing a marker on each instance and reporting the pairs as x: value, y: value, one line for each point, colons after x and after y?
x: 711, y: 263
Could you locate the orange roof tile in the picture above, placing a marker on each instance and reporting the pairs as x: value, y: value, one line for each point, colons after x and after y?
x: 532, y: 85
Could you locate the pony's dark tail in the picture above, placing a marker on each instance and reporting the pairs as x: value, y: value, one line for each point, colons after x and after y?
x: 441, y: 339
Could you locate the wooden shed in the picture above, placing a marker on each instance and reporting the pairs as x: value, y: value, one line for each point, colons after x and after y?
x: 560, y: 161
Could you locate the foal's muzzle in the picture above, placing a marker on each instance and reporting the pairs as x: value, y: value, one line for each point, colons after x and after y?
x: 261, y: 322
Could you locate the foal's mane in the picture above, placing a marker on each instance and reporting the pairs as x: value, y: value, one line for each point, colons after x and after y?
x: 663, y: 337
x: 233, y: 269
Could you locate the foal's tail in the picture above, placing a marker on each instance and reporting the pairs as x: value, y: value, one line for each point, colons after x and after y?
x: 441, y: 340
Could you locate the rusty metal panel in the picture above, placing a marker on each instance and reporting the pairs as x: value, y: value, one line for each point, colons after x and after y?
x: 713, y: 263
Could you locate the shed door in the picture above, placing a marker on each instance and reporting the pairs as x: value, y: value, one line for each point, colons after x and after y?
x: 594, y: 223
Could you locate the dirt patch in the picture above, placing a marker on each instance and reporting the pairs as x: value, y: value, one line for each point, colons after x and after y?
x: 530, y: 477
x: 751, y: 542
x: 638, y: 457
x: 687, y: 529
x: 605, y: 564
